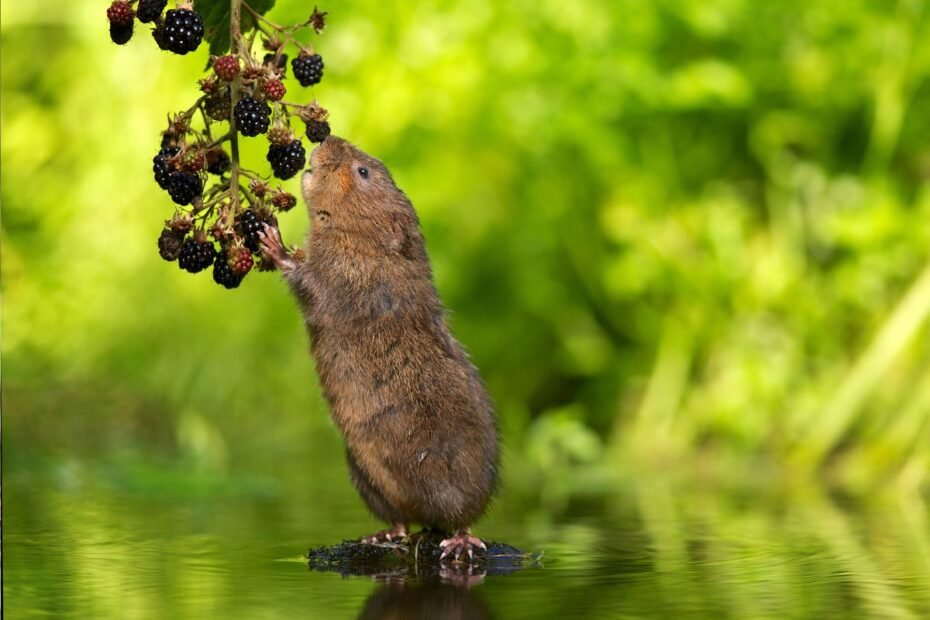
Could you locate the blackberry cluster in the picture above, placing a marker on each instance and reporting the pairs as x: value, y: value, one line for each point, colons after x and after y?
x: 150, y: 10
x: 252, y: 116
x: 308, y: 69
x: 120, y: 15
x: 287, y: 159
x: 223, y: 274
x: 250, y: 224
x: 184, y: 187
x: 182, y: 31
x: 195, y: 256
x: 317, y: 131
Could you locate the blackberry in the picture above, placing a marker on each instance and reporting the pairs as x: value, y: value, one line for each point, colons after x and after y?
x: 223, y: 274
x: 240, y: 260
x: 226, y: 67
x: 120, y: 13
x: 120, y: 34
x: 161, y: 167
x: 150, y: 10
x: 217, y: 162
x: 184, y: 187
x: 308, y: 69
x: 252, y: 116
x: 274, y: 89
x: 196, y: 255
x: 317, y: 131
x: 280, y: 68
x: 218, y: 105
x: 287, y: 159
x: 183, y: 30
x: 169, y: 244
x: 250, y: 224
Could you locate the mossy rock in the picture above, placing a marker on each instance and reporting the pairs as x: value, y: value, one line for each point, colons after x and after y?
x: 417, y: 556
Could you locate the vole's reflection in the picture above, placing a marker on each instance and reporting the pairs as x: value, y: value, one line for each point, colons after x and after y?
x: 448, y: 596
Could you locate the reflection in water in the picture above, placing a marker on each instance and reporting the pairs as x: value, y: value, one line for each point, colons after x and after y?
x: 653, y: 548
x: 428, y: 600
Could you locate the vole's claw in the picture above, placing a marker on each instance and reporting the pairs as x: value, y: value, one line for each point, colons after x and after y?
x: 460, y: 543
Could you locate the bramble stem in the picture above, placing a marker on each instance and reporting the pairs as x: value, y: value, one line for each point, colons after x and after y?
x: 235, y: 38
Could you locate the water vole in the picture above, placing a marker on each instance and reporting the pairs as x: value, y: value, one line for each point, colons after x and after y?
x: 420, y: 434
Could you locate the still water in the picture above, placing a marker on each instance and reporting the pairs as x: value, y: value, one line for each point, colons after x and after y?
x: 90, y: 543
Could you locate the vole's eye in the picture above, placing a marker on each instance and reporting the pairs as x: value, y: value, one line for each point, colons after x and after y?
x: 363, y: 172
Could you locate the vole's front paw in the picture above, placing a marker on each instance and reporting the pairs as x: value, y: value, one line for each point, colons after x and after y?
x: 273, y: 248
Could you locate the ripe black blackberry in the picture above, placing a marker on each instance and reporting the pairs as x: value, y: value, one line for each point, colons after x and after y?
x: 252, y: 116
x: 150, y: 10
x: 223, y: 274
x: 250, y: 224
x: 183, y: 30
x: 196, y: 255
x: 160, y: 165
x: 169, y: 244
x: 317, y: 131
x: 287, y: 159
x: 308, y: 69
x: 184, y: 187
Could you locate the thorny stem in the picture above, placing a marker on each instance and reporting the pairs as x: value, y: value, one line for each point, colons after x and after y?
x: 235, y: 37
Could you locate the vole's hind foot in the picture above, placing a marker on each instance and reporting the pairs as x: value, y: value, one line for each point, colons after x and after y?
x: 396, y: 533
x: 462, y: 542
x: 273, y: 248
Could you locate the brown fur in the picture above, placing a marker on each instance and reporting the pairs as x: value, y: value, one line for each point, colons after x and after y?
x: 420, y: 434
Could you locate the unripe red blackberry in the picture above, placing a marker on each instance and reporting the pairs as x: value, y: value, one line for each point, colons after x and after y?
x: 249, y: 224
x: 287, y: 159
x: 196, y: 255
x: 283, y: 200
x: 169, y: 244
x: 308, y: 69
x: 161, y: 167
x: 183, y: 30
x: 223, y: 274
x: 150, y: 10
x: 240, y: 259
x: 274, y: 89
x: 252, y: 116
x: 120, y: 15
x: 184, y: 187
x: 317, y: 131
x: 226, y: 67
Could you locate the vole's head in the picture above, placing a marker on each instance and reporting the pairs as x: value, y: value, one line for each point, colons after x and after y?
x: 353, y: 192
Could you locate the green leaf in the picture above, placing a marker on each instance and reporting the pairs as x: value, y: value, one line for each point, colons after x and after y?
x: 216, y: 14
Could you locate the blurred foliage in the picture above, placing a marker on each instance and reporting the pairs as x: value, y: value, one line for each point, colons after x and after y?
x: 664, y: 230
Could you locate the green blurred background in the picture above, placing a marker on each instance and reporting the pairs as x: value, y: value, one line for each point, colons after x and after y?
x: 673, y: 235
